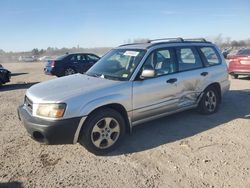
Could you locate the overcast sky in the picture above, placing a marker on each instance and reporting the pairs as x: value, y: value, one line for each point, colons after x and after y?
x: 28, y: 24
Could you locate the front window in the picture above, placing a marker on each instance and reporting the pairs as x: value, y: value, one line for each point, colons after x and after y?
x: 162, y: 61
x: 118, y: 64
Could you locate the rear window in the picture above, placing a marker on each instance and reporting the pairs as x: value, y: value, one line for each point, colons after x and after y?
x: 61, y: 57
x: 244, y: 52
x: 210, y: 55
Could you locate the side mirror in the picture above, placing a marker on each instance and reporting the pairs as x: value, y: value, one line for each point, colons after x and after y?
x: 147, y: 73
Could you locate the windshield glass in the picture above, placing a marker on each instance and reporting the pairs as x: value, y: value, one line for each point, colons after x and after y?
x: 61, y: 57
x: 118, y: 64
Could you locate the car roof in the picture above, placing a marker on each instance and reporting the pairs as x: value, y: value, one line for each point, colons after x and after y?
x: 76, y: 53
x: 163, y: 42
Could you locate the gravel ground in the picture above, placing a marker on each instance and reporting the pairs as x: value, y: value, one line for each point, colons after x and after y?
x: 182, y: 150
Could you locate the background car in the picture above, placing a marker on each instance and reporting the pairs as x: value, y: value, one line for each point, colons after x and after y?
x: 226, y: 51
x: 45, y: 58
x: 4, y: 75
x: 239, y: 64
x: 27, y: 59
x: 68, y: 64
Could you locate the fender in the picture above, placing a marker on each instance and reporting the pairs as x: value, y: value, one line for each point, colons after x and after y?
x: 123, y: 100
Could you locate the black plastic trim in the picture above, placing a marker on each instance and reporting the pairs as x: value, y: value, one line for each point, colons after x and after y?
x: 53, y: 131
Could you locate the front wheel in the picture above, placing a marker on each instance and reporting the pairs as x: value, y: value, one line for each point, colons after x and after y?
x: 210, y: 101
x: 103, y: 131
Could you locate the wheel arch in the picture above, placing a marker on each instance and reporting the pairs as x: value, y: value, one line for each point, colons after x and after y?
x: 217, y: 86
x: 119, y: 108
x: 115, y: 106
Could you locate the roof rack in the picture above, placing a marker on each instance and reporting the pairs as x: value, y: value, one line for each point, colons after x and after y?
x: 133, y: 43
x: 169, y: 40
x: 196, y: 40
x: 179, y: 39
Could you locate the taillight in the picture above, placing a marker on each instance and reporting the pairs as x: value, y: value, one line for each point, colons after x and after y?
x: 53, y: 63
x: 245, y: 62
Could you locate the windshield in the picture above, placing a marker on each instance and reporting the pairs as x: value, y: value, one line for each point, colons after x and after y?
x: 118, y: 64
x: 61, y: 57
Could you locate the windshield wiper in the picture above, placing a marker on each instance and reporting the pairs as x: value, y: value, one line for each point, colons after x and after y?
x: 94, y: 75
x: 111, y: 77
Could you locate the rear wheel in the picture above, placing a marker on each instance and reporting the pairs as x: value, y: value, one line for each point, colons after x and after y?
x: 235, y: 76
x: 103, y: 131
x: 210, y: 101
x: 69, y: 71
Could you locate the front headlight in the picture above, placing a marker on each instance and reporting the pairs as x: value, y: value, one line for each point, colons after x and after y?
x: 49, y: 110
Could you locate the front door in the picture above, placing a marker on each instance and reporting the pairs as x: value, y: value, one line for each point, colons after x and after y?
x: 159, y: 94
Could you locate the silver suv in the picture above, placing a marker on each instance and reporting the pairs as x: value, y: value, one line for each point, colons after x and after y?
x: 131, y: 84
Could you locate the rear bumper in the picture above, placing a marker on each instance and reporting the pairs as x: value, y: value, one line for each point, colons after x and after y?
x: 238, y: 69
x: 239, y: 72
x: 48, y: 70
x: 49, y: 131
x: 56, y: 71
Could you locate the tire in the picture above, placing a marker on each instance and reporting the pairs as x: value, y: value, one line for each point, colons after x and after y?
x: 235, y: 76
x: 209, y: 102
x: 100, y: 137
x: 69, y: 71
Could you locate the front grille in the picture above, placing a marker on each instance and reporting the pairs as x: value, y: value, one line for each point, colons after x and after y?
x: 28, y: 104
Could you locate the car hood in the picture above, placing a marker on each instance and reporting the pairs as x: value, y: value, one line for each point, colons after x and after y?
x: 61, y: 89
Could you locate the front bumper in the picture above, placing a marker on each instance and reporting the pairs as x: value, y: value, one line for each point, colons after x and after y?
x: 49, y: 131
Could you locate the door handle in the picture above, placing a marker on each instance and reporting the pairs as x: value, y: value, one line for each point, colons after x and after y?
x: 172, y: 80
x: 204, y: 73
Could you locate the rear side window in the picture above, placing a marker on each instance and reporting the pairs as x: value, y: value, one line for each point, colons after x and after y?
x: 188, y: 58
x: 92, y: 57
x: 77, y: 58
x: 210, y: 55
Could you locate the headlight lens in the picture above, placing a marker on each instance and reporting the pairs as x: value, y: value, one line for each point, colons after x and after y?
x: 50, y: 110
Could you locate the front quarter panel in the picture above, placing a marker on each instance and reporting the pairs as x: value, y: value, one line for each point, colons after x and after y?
x: 83, y: 105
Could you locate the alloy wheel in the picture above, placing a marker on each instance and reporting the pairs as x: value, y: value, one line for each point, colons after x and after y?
x: 69, y: 71
x: 105, y: 132
x: 210, y: 101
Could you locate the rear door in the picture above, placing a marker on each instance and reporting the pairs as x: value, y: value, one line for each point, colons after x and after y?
x: 214, y: 65
x: 79, y: 62
x: 192, y: 75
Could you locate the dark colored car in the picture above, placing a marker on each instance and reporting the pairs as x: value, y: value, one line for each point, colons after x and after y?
x: 68, y: 64
x: 4, y: 75
x: 239, y: 64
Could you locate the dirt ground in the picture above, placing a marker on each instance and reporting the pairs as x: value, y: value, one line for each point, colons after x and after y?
x: 182, y: 150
